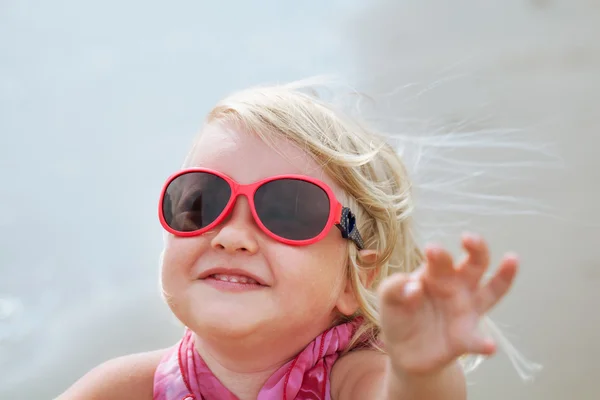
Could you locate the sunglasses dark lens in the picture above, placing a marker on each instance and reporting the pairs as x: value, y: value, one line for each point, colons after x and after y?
x: 292, y: 209
x: 194, y: 200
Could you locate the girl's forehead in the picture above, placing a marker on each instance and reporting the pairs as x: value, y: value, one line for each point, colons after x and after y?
x: 247, y: 158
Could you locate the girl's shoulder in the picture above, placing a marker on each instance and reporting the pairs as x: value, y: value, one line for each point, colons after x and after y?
x: 358, y: 374
x: 126, y: 377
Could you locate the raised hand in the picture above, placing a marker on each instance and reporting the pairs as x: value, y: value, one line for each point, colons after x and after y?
x: 430, y: 317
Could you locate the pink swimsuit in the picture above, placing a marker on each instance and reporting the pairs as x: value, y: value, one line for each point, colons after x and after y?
x: 183, y: 375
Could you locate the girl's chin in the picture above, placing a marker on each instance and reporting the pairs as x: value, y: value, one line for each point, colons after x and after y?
x: 229, y: 324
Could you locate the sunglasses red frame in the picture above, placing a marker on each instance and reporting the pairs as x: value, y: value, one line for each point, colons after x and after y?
x: 339, y: 216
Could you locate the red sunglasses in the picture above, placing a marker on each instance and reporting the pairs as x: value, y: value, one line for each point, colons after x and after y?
x: 293, y: 209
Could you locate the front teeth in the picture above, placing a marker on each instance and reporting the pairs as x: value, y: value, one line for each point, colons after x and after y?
x: 234, y: 279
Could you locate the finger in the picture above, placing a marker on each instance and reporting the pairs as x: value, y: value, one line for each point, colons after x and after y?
x: 439, y: 275
x: 401, y: 289
x: 498, y: 285
x: 439, y: 262
x: 481, y: 345
x: 477, y: 261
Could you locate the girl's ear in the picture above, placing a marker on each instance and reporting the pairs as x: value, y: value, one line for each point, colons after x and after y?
x: 347, y: 303
x: 369, y: 257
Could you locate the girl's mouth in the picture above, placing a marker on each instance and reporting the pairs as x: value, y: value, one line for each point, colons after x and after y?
x: 234, y: 279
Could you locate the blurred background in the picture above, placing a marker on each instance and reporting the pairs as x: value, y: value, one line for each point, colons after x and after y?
x: 99, y: 102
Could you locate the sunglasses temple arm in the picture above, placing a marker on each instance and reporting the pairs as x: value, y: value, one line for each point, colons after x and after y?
x: 349, y: 229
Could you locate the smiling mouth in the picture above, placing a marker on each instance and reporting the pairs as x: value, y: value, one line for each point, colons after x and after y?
x: 232, y: 279
x: 240, y: 279
x: 233, y: 283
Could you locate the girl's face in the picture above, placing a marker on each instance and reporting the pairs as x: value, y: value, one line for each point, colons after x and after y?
x: 304, y: 286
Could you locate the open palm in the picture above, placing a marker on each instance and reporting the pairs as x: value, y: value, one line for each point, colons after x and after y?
x: 431, y: 316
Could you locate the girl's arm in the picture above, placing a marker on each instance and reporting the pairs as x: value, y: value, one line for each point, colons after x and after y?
x: 366, y: 374
x: 128, y: 377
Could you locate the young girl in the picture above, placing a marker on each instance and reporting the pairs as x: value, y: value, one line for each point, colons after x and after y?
x: 291, y: 260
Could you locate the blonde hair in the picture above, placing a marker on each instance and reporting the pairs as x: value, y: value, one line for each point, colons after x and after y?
x: 362, y: 163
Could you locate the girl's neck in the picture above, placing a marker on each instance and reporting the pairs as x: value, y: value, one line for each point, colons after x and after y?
x: 244, y: 369
x: 245, y: 385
